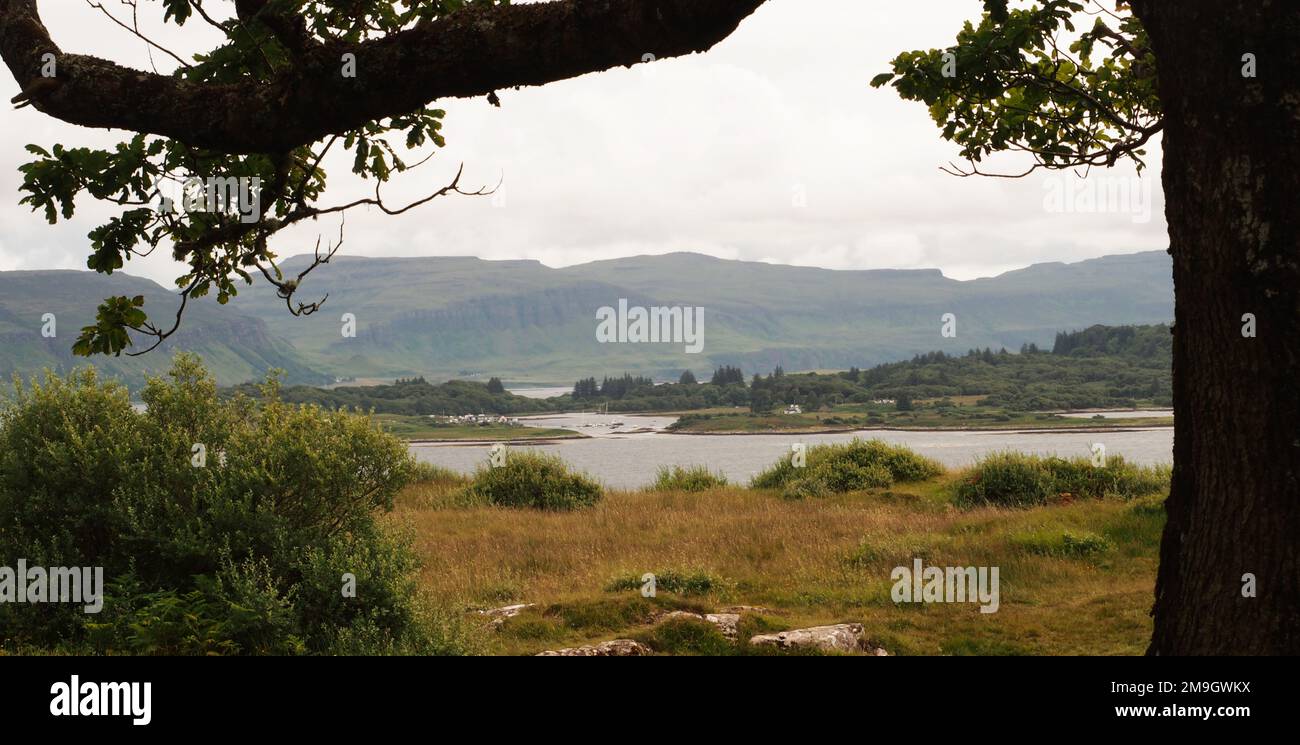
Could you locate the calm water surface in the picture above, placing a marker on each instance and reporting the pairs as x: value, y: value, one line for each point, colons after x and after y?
x: 627, y: 456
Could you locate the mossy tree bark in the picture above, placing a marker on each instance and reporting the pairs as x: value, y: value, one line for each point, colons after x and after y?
x: 1232, y: 190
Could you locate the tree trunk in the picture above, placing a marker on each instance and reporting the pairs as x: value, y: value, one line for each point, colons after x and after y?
x: 1232, y: 188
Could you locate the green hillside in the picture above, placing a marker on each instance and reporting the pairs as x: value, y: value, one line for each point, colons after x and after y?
x: 235, y: 346
x: 469, y: 318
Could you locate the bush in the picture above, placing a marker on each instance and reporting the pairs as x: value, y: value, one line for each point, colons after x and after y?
x: 221, y: 526
x: 1008, y: 480
x: 429, y: 473
x: 1020, y: 480
x: 688, y: 636
x: 684, y: 583
x: 1064, y: 544
x: 536, y: 480
x: 852, y: 466
x: 806, y: 488
x: 692, y: 479
x: 849, y: 475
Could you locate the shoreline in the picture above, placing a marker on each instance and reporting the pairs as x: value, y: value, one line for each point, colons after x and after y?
x: 823, y: 431
x: 1021, y: 430
x: 523, y: 441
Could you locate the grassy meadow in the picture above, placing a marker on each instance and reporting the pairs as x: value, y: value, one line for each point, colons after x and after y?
x: 1077, y: 568
x: 313, y: 531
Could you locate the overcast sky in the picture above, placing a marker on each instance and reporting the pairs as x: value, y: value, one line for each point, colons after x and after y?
x: 772, y: 147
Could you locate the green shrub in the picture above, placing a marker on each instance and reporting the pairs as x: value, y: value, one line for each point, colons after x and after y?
x: 810, y: 487
x: 1150, y: 506
x: 1008, y: 480
x: 685, y: 583
x: 688, y: 636
x: 849, y: 475
x: 429, y: 473
x: 1063, y: 544
x: 1020, y: 480
x: 241, y: 551
x: 536, y: 480
x: 603, y: 615
x: 238, y: 610
x: 690, y: 479
x: 533, y: 628
x: 851, y: 466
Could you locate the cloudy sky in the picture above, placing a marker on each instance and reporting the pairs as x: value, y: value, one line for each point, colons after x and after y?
x: 772, y: 147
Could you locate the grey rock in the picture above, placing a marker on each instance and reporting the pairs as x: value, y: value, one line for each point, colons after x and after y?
x: 499, y: 615
x: 727, y: 623
x: 843, y: 637
x: 615, y: 648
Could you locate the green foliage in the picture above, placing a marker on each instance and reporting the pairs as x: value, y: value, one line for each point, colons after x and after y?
x: 221, y: 249
x: 241, y: 552
x: 238, y: 610
x: 688, y: 636
x: 1007, y: 85
x: 109, y: 334
x: 1063, y: 544
x: 430, y: 473
x: 851, y: 466
x: 1020, y: 480
x: 1125, y: 342
x: 416, y: 397
x: 1008, y: 480
x: 807, y: 487
x: 846, y: 473
x: 687, y: 583
x: 535, y: 480
x: 694, y: 478
x: 1125, y: 364
x: 604, y: 614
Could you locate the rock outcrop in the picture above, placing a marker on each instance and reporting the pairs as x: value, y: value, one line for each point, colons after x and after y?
x: 843, y: 637
x: 727, y: 623
x: 615, y: 648
x: 499, y: 615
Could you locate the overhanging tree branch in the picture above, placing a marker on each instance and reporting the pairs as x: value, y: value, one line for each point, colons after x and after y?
x: 469, y: 53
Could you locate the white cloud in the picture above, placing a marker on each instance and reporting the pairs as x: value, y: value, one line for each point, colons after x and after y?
x: 706, y: 154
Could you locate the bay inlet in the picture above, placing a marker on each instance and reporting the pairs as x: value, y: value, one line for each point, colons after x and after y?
x: 625, y: 451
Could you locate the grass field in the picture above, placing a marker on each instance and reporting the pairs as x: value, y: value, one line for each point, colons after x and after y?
x: 1076, y: 575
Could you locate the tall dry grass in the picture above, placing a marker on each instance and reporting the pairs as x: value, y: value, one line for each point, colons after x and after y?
x: 814, y: 561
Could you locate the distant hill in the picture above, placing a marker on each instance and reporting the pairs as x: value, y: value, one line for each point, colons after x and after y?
x: 236, y: 346
x: 470, y: 318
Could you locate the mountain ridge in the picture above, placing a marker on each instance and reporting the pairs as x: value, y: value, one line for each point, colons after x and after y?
x: 466, y: 317
x: 536, y: 323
